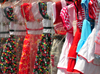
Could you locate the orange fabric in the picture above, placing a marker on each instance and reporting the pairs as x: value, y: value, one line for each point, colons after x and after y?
x: 29, y: 51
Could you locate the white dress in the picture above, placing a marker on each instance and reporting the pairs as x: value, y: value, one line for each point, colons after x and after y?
x: 63, y: 61
x: 18, y: 28
x: 4, y: 24
x: 87, y: 63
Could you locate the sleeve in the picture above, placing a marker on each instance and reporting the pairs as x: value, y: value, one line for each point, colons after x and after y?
x: 92, y: 9
x: 65, y: 18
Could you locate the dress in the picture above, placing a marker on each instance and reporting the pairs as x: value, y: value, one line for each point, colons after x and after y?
x: 58, y: 25
x: 69, y: 13
x: 72, y: 52
x: 4, y: 32
x: 42, y: 61
x: 86, y: 28
x: 34, y: 29
x: 57, y: 44
x: 87, y: 60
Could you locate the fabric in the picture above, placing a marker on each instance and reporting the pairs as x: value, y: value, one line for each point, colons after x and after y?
x: 86, y: 31
x: 58, y: 25
x: 2, y: 42
x: 80, y: 13
x: 97, y: 45
x: 4, y: 25
x: 67, y: 19
x: 8, y: 62
x: 93, y: 9
x: 85, y: 4
x: 58, y: 7
x: 29, y: 49
x: 68, y: 24
x: 2, y: 1
x: 63, y: 60
x: 34, y: 31
x: 42, y: 60
x: 72, y: 51
x: 86, y: 68
x: 43, y: 9
x: 55, y: 52
x: 9, y: 13
x: 26, y: 11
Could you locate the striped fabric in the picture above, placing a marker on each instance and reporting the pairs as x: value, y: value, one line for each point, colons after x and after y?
x: 81, y: 16
x: 94, y: 10
x: 65, y: 19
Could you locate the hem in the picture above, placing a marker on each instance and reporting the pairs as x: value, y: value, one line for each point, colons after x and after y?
x: 88, y: 61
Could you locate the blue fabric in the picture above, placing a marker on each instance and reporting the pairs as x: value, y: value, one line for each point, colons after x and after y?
x: 86, y: 30
x: 88, y: 25
x: 84, y: 4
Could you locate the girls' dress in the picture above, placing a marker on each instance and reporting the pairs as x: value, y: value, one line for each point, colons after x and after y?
x: 34, y: 31
x: 4, y: 32
x: 87, y: 63
x: 72, y: 52
x: 68, y: 15
x: 42, y: 61
x: 8, y: 57
x: 18, y: 29
x: 86, y: 28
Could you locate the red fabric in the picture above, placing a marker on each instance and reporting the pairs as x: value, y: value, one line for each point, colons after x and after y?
x: 72, y: 52
x: 58, y: 9
x: 76, y: 71
x: 92, y: 8
x: 66, y: 20
x: 28, y: 54
x: 26, y: 12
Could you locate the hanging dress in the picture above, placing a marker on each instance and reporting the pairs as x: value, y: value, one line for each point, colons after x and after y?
x: 4, y: 32
x: 72, y: 52
x: 86, y: 28
x: 42, y: 61
x: 58, y: 25
x: 87, y: 63
x: 34, y: 30
x: 18, y: 29
x: 8, y: 57
x: 68, y: 15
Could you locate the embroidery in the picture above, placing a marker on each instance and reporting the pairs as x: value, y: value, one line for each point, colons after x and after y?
x: 43, y: 10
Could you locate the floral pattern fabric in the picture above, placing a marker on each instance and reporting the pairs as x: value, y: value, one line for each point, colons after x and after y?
x: 28, y: 53
x: 8, y: 60
x: 43, y: 10
x: 42, y: 60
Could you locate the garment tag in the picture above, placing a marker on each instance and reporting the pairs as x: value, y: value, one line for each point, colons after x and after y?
x: 74, y: 27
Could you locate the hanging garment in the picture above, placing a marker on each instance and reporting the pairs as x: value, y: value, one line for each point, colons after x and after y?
x: 58, y: 25
x: 86, y: 28
x: 42, y: 61
x: 87, y: 60
x: 4, y: 30
x: 34, y: 31
x: 90, y: 46
x: 18, y: 29
x: 97, y: 44
x: 68, y: 15
x: 8, y: 58
x: 72, y: 52
x: 57, y: 44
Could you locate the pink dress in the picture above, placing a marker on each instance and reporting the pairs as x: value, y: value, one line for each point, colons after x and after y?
x: 68, y: 16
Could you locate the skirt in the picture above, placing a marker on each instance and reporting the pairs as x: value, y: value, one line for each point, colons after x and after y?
x: 42, y: 61
x: 29, y: 51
